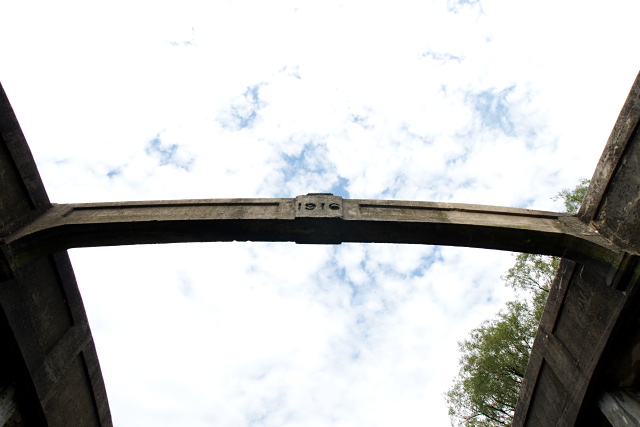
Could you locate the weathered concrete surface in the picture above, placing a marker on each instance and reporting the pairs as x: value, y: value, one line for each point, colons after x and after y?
x: 311, y: 218
x: 47, y: 353
x: 588, y: 342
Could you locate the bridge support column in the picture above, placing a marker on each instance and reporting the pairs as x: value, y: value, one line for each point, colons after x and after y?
x: 621, y: 407
x: 7, y: 403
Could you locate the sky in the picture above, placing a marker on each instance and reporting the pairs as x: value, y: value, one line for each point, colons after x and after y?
x: 495, y: 102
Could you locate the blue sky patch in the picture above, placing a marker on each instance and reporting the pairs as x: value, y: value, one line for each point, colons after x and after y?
x: 313, y: 160
x: 291, y: 71
x: 242, y: 113
x: 361, y: 121
x: 340, y: 187
x: 113, y: 172
x: 308, y: 161
x: 494, y: 109
x: 456, y: 6
x: 442, y: 57
x: 166, y: 154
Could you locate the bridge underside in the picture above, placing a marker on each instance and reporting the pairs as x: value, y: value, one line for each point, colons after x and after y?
x: 585, y: 361
x: 48, y: 364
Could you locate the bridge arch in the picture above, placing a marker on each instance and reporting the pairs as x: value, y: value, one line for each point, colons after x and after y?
x: 53, y: 365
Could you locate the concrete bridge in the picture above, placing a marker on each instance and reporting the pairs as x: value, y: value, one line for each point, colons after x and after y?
x: 585, y: 363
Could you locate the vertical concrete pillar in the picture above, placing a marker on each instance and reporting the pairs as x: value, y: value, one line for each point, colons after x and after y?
x: 7, y: 403
x: 621, y: 407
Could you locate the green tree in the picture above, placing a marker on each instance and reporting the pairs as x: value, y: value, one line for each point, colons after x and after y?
x: 531, y: 276
x: 494, y: 358
x: 573, y: 198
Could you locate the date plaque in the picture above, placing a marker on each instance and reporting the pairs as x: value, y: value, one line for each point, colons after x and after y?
x: 318, y: 205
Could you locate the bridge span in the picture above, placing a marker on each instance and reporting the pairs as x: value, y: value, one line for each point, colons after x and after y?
x: 585, y: 364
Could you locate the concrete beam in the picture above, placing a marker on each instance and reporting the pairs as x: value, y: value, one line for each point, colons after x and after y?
x: 313, y: 218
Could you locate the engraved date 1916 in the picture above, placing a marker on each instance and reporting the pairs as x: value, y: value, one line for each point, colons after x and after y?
x: 312, y: 206
x: 318, y: 205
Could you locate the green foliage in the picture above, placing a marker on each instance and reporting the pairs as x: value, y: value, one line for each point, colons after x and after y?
x: 493, y: 363
x: 494, y: 358
x: 532, y: 275
x: 573, y: 198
